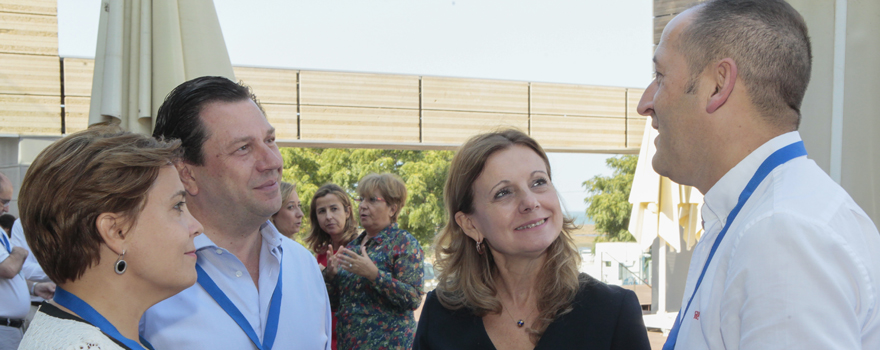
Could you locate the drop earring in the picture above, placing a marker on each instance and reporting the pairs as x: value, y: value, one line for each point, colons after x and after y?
x: 480, y: 247
x: 120, y: 265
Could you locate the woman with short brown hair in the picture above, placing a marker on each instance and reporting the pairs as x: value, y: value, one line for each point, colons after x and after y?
x: 376, y: 281
x: 106, y: 218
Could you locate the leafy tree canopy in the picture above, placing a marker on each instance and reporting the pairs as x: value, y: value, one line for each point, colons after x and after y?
x: 424, y: 173
x: 608, y: 200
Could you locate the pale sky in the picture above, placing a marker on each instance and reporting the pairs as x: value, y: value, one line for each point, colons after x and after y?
x: 591, y: 42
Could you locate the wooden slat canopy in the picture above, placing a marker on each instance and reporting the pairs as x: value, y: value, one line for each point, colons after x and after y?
x: 42, y: 94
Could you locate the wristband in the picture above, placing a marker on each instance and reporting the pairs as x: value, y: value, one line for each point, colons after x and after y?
x: 34, y: 286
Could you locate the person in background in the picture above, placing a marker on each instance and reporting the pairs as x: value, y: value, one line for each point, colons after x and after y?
x: 256, y: 288
x: 6, y: 192
x: 332, y: 227
x: 375, y: 281
x: 6, y: 221
x: 790, y: 260
x: 332, y: 221
x: 124, y: 246
x: 288, y: 219
x: 508, y: 265
x: 15, y: 288
x: 32, y: 271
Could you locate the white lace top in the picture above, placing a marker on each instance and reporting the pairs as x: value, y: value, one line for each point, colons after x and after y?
x: 54, y: 329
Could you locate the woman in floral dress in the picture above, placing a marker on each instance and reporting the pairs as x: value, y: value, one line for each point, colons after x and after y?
x: 375, y: 282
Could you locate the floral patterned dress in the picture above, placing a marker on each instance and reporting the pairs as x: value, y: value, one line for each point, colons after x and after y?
x: 378, y: 314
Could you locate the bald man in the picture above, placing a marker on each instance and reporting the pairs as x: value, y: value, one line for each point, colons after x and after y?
x: 788, y: 260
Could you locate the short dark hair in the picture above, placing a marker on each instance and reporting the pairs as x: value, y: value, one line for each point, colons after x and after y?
x: 6, y: 221
x: 769, y: 42
x: 102, y: 169
x: 178, y: 117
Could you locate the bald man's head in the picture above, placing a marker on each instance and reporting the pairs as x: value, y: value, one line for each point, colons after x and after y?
x: 5, y: 193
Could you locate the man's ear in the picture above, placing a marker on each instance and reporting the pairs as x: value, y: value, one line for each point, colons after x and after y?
x: 112, y: 230
x: 724, y: 77
x: 467, y: 225
x: 187, y: 177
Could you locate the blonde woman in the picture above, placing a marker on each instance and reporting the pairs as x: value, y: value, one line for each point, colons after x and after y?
x: 508, y: 266
x: 288, y: 219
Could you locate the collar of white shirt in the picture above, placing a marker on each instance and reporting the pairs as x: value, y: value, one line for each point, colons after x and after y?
x: 721, y: 198
x: 270, y: 235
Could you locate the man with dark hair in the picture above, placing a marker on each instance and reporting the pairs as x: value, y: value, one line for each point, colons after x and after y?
x: 252, y: 280
x: 6, y: 221
x: 788, y: 260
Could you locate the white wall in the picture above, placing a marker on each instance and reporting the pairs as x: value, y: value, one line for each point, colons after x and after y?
x: 859, y: 154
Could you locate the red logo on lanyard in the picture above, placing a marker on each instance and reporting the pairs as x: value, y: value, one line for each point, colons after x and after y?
x: 697, y: 315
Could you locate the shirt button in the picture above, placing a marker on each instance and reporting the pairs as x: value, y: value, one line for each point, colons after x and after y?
x: 237, y: 273
x: 219, y: 251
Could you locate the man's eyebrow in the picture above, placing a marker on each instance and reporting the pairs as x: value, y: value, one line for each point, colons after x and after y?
x: 241, y: 139
x: 271, y: 131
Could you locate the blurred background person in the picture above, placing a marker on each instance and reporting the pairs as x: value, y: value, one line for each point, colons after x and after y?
x: 6, y: 221
x: 33, y: 272
x: 126, y: 244
x: 288, y: 219
x: 376, y: 280
x: 332, y: 221
x: 508, y: 267
x: 332, y: 227
x: 14, y: 300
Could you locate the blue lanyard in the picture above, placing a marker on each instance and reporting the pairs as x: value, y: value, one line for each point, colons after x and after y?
x: 6, y: 243
x: 781, y: 156
x: 90, y: 315
x: 274, y: 309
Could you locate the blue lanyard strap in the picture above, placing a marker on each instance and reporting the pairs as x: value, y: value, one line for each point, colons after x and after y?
x: 274, y: 309
x: 6, y: 243
x: 90, y: 315
x: 781, y: 156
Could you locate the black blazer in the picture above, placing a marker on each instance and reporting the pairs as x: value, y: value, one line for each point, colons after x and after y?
x: 603, y: 317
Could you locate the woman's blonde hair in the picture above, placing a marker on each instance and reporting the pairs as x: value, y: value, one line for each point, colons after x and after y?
x: 287, y: 189
x: 466, y: 278
x: 317, y: 236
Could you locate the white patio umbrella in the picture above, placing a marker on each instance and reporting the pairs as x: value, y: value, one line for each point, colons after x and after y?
x: 664, y: 209
x: 145, y: 49
x: 661, y: 207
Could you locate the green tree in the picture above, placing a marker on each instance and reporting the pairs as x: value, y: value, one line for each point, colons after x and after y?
x: 608, y: 199
x: 424, y: 173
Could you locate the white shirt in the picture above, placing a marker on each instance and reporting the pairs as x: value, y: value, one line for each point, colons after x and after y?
x: 193, y: 320
x: 15, y: 299
x: 799, y: 267
x: 31, y: 268
x: 53, y: 332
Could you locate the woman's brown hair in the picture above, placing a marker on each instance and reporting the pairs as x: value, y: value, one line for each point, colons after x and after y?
x: 466, y: 278
x: 102, y: 169
x: 317, y: 237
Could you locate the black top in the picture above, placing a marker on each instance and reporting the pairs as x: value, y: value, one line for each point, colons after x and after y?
x: 603, y: 317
